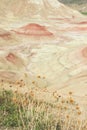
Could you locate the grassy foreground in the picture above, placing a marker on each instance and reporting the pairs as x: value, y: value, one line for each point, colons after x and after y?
x: 24, y: 112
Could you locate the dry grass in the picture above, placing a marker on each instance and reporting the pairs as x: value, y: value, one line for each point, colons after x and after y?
x: 33, y: 114
x: 24, y: 111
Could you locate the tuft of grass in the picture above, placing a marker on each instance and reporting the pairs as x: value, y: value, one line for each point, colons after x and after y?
x: 25, y: 112
x: 8, y: 110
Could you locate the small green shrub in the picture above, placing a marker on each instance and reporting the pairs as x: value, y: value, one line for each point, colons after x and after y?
x: 84, y: 13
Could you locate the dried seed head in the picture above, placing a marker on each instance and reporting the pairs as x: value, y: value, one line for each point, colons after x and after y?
x: 79, y: 113
x: 67, y: 116
x: 77, y: 107
x: 33, y: 82
x: 39, y: 76
x: 71, y: 101
x: 70, y: 93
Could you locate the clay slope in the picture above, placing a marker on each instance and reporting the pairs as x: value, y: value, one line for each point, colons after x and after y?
x: 26, y: 9
x: 34, y: 30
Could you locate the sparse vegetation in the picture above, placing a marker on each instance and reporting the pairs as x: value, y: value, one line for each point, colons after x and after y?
x: 73, y: 1
x: 24, y: 112
x: 85, y: 13
x: 80, y: 5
